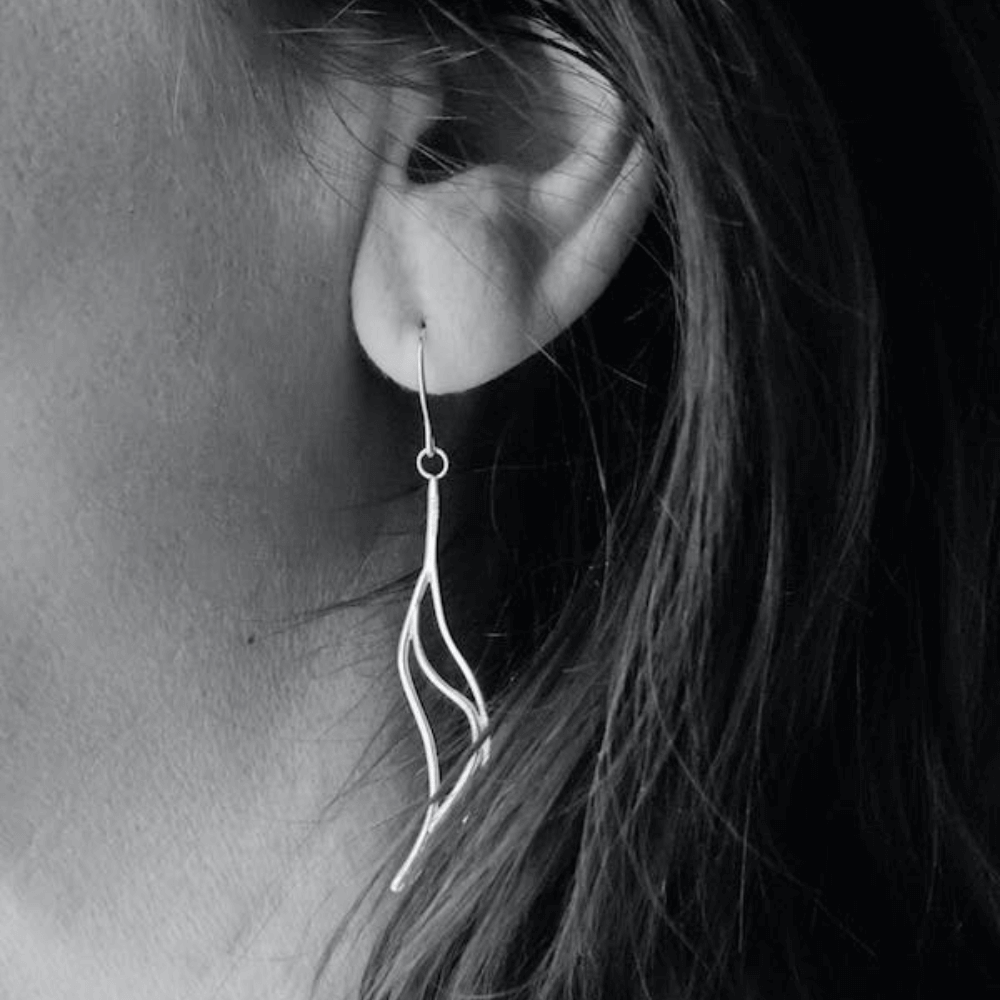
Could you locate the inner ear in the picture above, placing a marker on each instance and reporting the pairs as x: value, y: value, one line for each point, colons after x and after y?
x: 503, y: 109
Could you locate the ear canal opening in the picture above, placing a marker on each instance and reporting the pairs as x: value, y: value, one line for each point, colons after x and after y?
x: 441, y: 152
x: 495, y: 110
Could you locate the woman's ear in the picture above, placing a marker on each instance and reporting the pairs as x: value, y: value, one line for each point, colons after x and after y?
x: 510, y: 191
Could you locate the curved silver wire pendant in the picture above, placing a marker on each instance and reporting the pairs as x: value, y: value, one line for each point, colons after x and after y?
x: 410, y: 652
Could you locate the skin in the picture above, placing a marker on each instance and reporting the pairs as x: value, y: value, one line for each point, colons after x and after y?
x: 198, y: 778
x: 192, y: 455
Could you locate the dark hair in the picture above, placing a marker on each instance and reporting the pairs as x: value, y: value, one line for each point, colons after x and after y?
x: 745, y: 718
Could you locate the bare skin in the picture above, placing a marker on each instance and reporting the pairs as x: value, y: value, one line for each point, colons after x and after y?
x: 196, y: 784
x: 181, y: 443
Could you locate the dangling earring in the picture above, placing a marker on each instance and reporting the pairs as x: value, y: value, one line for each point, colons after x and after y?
x: 432, y: 464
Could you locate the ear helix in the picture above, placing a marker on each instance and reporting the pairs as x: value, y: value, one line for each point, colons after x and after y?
x: 432, y: 464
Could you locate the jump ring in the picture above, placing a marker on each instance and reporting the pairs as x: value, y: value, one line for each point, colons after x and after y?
x: 426, y: 455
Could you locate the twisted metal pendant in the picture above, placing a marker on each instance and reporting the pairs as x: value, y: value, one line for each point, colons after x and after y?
x: 432, y: 464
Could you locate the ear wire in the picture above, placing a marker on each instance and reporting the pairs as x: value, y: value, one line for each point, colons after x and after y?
x: 411, y: 651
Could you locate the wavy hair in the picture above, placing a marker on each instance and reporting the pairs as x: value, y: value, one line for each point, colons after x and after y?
x: 746, y: 712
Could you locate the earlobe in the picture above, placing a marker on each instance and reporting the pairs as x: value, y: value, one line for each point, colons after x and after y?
x: 496, y: 258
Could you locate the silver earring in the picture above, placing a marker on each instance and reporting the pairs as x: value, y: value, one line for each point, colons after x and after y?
x: 432, y: 464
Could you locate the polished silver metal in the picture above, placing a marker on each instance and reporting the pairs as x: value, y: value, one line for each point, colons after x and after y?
x: 433, y: 465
